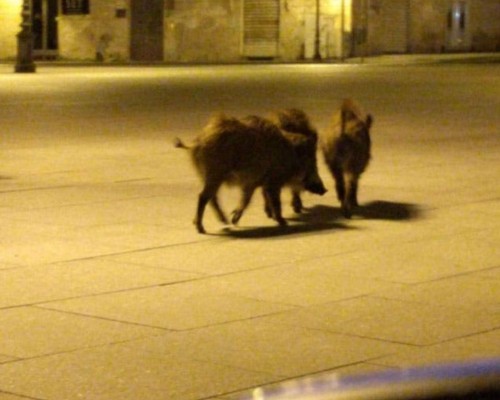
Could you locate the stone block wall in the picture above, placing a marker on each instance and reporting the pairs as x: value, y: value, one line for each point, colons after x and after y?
x: 10, y: 18
x: 211, y: 30
x: 427, y: 26
x: 292, y: 28
x: 485, y: 25
x: 203, y: 31
x: 297, y: 28
x: 81, y: 35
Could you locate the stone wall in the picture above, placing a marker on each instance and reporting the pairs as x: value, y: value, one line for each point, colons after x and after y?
x: 81, y: 35
x: 10, y: 18
x: 485, y: 25
x: 430, y: 32
x: 292, y: 29
x: 211, y: 30
x: 203, y: 30
x: 426, y: 28
x: 297, y: 28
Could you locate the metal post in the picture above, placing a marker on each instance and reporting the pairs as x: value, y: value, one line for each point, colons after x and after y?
x: 25, y: 41
x: 366, y: 13
x: 317, y: 54
x: 367, y: 29
x: 342, y: 29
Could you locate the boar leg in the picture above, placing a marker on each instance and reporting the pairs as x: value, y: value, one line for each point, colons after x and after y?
x: 207, y: 194
x: 267, y: 204
x: 351, y: 186
x: 339, y: 183
x: 198, y: 220
x: 297, y: 201
x: 353, y: 196
x: 246, y: 196
x: 273, y: 193
x: 218, y: 210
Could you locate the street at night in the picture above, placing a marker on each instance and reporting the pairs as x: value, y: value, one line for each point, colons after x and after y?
x: 107, y: 291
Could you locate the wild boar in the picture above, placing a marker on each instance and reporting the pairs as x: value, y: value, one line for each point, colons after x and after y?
x: 347, y: 151
x: 296, y: 121
x: 250, y: 153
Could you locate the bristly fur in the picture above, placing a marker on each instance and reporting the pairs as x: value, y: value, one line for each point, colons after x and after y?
x: 296, y: 121
x: 347, y: 151
x: 249, y: 152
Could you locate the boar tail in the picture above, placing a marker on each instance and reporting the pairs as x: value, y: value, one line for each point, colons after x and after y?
x: 180, y: 144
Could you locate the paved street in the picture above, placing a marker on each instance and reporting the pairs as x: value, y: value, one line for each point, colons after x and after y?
x: 108, y: 292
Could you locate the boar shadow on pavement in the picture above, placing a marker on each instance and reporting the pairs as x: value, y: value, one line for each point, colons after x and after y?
x: 390, y: 211
x: 316, y: 219
x: 323, y: 218
x: 262, y: 232
x: 376, y: 210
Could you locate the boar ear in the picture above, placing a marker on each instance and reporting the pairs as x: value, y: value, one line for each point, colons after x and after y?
x: 369, y: 121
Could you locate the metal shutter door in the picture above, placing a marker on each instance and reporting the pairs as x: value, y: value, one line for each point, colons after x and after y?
x: 260, y: 28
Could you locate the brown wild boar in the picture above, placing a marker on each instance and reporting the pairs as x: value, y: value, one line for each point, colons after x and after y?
x: 250, y: 153
x: 295, y: 121
x: 346, y: 148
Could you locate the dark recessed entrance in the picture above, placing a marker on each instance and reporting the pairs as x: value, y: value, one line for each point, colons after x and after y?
x: 146, y: 38
x: 44, y: 14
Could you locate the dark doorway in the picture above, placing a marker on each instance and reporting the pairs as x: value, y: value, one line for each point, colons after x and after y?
x: 44, y: 20
x: 146, y: 42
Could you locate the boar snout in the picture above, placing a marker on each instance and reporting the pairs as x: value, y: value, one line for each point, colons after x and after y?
x: 315, y: 187
x: 313, y: 183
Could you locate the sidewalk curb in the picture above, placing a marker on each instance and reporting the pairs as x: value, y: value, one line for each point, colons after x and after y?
x: 402, y: 59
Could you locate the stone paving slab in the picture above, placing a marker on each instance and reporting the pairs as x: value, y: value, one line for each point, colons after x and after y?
x: 493, y: 273
x: 78, y: 279
x: 4, y: 396
x: 471, y: 292
x: 175, y: 307
x: 220, y: 256
x: 119, y: 372
x: 31, y: 332
x: 482, y: 345
x: 394, y: 320
x: 416, y: 261
x: 260, y: 345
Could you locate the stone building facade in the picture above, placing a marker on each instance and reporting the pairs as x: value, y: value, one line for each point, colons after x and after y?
x: 100, y: 29
x: 234, y: 30
x: 9, y: 26
x: 425, y: 26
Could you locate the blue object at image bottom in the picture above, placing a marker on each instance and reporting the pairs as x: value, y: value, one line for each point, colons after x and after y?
x: 472, y: 380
